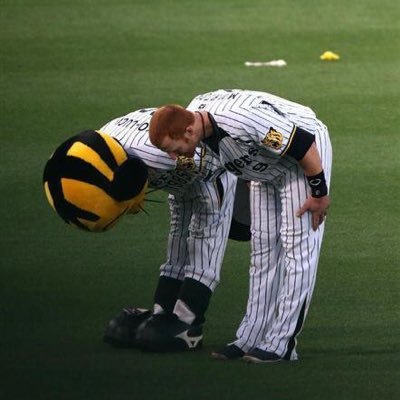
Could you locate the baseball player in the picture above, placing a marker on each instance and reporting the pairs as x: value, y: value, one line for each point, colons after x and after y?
x: 201, y: 198
x: 285, y: 152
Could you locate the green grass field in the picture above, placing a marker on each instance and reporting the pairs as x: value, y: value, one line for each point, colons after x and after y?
x: 72, y: 65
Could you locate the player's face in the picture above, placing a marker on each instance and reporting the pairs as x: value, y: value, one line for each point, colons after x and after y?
x: 183, y: 146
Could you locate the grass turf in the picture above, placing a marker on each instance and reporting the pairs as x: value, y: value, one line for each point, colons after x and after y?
x: 70, y: 65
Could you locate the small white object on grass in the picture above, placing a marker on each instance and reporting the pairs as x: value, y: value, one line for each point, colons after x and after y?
x: 272, y: 63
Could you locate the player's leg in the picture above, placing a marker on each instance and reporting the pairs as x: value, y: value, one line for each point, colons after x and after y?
x: 122, y: 329
x: 206, y: 242
x: 265, y: 277
x: 181, y: 211
x: 172, y: 272
x: 164, y: 331
x: 301, y: 246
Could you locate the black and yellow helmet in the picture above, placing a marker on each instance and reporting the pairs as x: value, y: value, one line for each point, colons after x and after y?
x: 91, y: 182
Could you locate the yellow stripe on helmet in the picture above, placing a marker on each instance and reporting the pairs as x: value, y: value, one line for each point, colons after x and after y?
x: 80, y: 150
x: 117, y: 150
x: 92, y: 198
x: 48, y: 195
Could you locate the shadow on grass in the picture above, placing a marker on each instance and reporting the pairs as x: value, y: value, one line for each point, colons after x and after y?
x: 354, y: 351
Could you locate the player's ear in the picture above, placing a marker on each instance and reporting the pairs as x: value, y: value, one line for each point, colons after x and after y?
x: 188, y: 132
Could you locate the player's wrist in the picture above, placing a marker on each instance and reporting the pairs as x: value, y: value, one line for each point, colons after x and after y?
x: 318, y: 185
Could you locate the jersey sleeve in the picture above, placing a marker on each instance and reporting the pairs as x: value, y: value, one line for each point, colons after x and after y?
x: 266, y: 126
x: 131, y: 131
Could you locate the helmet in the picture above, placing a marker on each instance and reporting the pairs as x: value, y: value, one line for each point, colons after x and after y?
x: 91, y: 182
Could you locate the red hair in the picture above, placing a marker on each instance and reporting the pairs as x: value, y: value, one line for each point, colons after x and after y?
x: 170, y: 120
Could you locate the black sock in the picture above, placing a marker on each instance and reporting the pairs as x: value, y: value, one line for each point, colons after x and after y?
x: 167, y: 292
x: 197, y: 297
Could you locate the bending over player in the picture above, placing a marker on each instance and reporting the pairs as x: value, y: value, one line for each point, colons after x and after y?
x: 120, y: 160
x: 285, y: 151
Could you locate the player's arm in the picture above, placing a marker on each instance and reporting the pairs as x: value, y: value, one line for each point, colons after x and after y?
x: 319, y: 201
x: 300, y: 145
x: 282, y: 137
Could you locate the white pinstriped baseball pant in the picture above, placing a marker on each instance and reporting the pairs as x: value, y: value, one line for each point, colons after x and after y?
x: 199, y: 231
x: 284, y: 259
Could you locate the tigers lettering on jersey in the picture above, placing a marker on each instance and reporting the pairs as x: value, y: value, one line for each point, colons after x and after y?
x: 172, y: 180
x: 246, y: 161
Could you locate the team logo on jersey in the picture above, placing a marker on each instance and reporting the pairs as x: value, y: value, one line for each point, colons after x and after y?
x: 185, y: 163
x: 273, y: 139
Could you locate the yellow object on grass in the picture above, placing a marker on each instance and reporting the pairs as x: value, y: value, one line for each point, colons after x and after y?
x: 329, y: 56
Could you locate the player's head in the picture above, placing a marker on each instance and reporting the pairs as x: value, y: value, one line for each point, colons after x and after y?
x: 90, y: 181
x: 170, y: 120
x: 170, y: 130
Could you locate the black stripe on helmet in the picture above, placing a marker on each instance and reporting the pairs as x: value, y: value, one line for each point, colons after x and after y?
x: 68, y: 211
x: 96, y: 142
x: 61, y: 166
x: 80, y: 170
x: 129, y: 179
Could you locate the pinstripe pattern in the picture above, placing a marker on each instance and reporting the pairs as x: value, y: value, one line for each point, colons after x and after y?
x: 266, y: 250
x: 200, y: 219
x: 285, y: 249
x: 209, y: 223
x: 282, y: 275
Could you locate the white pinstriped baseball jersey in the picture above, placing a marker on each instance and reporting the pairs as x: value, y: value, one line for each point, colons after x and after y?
x: 260, y: 126
x: 131, y: 131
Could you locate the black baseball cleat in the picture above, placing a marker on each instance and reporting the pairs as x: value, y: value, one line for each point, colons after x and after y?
x: 229, y: 352
x: 258, y: 356
x: 167, y: 333
x: 121, y: 330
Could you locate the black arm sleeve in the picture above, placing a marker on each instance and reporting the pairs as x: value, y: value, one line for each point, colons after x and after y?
x: 301, y: 142
x: 218, y: 134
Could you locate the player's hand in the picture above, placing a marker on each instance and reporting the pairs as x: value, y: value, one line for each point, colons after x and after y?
x: 318, y: 207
